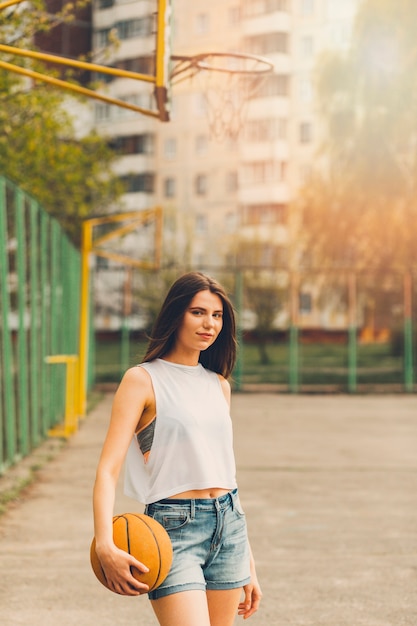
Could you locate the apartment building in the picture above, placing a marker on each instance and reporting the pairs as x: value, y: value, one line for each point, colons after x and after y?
x: 218, y: 195
x: 225, y: 203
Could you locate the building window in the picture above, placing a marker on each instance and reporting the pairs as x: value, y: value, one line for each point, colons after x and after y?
x: 170, y: 148
x: 144, y: 100
x: 266, y: 129
x: 144, y: 182
x: 201, y: 184
x: 306, y: 132
x: 102, y: 112
x: 169, y: 187
x: 305, y: 304
x: 307, y: 46
x: 307, y: 7
x: 264, y: 171
x: 261, y: 7
x: 105, y: 4
x: 102, y: 38
x: 305, y: 89
x: 202, y: 24
x: 134, y: 144
x: 201, y: 145
x: 267, y: 43
x: 201, y: 223
x: 274, y: 85
x: 230, y: 222
x: 139, y: 27
x: 255, y: 214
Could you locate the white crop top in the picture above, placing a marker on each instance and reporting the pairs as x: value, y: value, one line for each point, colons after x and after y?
x: 192, y: 445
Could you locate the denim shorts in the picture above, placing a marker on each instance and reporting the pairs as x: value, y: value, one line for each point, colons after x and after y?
x: 209, y: 541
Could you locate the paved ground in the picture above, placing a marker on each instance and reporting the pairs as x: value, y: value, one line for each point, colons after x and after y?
x: 329, y: 485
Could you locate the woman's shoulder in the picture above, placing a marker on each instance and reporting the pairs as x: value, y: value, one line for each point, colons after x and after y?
x: 136, y: 375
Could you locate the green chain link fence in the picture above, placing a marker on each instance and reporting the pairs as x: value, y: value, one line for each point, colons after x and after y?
x: 39, y: 309
x: 307, y: 333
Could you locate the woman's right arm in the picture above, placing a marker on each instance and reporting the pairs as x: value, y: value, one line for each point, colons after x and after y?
x: 133, y: 397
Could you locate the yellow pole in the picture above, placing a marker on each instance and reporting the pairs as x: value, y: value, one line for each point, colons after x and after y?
x: 10, y: 3
x: 162, y: 60
x: 89, y: 246
x: 71, y: 417
x: 86, y: 249
x: 76, y: 88
x: 84, y: 65
x: 161, y: 45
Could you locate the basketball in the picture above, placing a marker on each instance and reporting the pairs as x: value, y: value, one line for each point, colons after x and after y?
x: 146, y: 540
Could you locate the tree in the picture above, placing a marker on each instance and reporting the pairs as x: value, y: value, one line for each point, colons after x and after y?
x: 71, y: 178
x: 264, y: 286
x: 359, y: 210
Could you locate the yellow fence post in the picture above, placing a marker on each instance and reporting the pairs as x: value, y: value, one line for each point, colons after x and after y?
x: 70, y: 425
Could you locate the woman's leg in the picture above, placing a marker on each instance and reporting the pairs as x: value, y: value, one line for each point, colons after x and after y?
x: 223, y: 605
x: 187, y: 608
x: 198, y: 608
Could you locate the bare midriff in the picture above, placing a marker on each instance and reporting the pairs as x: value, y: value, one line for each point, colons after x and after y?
x: 200, y: 494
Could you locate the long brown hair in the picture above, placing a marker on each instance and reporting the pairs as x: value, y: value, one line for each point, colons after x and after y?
x: 220, y: 357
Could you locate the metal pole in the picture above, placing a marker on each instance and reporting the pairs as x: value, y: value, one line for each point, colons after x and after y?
x: 22, y: 377
x: 408, y: 334
x: 293, y: 336
x: 239, y: 330
x: 127, y: 311
x: 35, y: 362
x: 352, y: 335
x: 46, y: 408
x: 86, y: 248
x: 7, y: 351
x: 56, y: 379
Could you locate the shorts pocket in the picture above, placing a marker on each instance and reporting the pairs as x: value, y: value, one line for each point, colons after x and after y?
x: 238, y: 507
x: 170, y: 520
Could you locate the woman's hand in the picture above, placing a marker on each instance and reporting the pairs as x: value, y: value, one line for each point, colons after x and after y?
x: 117, y: 567
x: 250, y: 603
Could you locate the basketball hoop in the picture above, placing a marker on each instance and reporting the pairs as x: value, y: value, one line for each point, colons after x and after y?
x: 227, y: 81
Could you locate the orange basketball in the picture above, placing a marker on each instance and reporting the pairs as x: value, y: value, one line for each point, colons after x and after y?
x: 146, y: 540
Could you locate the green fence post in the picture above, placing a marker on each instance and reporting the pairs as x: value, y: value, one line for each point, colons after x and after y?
x: 352, y: 335
x: 408, y: 334
x: 22, y: 379
x: 125, y: 330
x: 35, y: 360
x: 55, y: 373
x: 45, y: 296
x: 9, y: 427
x: 294, y: 365
x: 294, y: 359
x: 239, y: 330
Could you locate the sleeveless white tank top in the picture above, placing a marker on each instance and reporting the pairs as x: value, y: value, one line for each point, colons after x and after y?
x: 192, y: 445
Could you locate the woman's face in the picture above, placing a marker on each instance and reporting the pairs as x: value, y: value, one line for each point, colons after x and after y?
x: 202, y: 322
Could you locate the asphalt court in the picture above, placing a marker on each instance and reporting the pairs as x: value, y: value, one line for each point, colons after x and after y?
x: 329, y: 486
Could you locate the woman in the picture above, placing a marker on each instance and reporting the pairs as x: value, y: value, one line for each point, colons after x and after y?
x: 170, y: 420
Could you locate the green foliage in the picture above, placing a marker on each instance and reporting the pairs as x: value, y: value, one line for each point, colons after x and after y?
x: 39, y: 151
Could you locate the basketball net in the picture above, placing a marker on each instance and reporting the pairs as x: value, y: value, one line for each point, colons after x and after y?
x: 227, y: 82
